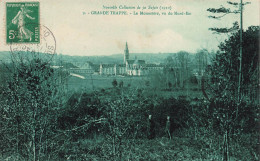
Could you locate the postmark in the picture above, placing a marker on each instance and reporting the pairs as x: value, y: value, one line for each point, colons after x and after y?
x: 18, y: 15
x: 44, y: 50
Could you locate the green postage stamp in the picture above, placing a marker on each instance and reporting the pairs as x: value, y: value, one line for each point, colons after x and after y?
x: 22, y: 22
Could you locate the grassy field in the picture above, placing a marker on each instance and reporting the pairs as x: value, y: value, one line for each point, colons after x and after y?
x: 97, y: 82
x: 179, y: 148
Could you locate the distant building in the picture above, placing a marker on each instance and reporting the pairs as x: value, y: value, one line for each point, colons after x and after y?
x: 86, y: 68
x: 129, y: 67
x: 126, y: 54
x: 112, y: 69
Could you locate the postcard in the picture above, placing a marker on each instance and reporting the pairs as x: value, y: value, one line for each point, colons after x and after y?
x: 129, y: 80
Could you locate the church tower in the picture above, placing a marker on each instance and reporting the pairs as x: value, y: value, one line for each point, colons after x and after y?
x: 126, y: 54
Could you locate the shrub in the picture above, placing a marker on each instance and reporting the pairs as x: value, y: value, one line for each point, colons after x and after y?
x: 114, y: 83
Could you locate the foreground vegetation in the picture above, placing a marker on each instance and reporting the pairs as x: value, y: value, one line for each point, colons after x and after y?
x: 41, y: 120
x: 113, y: 124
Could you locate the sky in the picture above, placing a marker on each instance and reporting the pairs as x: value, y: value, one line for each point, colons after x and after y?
x: 79, y: 32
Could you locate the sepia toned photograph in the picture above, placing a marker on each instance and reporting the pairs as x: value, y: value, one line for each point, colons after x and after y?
x: 121, y: 80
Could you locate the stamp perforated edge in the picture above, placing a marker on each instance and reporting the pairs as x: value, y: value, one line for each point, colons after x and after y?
x: 4, y: 2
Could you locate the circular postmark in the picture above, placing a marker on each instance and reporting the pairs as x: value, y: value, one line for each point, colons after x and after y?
x: 26, y: 50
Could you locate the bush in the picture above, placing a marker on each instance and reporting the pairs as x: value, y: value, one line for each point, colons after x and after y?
x: 114, y: 83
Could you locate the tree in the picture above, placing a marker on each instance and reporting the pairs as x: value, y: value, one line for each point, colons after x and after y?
x: 230, y: 111
x: 170, y: 85
x: 201, y: 60
x: 222, y: 12
x: 183, y: 64
x: 225, y: 66
x: 147, y: 83
x: 225, y: 11
x: 177, y: 69
x: 121, y: 84
x: 125, y: 119
x: 29, y: 102
x: 114, y: 83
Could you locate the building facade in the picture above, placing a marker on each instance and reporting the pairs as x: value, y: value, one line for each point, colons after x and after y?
x: 132, y: 67
x: 86, y: 68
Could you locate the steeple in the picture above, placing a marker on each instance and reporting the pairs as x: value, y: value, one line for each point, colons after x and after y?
x: 126, y: 54
x: 126, y: 46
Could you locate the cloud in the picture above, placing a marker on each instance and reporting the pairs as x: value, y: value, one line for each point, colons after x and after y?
x: 79, y: 34
x: 164, y: 41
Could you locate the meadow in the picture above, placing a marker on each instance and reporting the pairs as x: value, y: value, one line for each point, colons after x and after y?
x: 97, y: 82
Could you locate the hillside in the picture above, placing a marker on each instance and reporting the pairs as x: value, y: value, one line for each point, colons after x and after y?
x: 116, y: 58
x: 110, y: 59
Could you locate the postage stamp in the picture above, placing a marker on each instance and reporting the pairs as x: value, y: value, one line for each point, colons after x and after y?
x: 18, y: 15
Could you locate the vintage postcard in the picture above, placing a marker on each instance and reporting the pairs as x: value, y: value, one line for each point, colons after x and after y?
x: 137, y: 80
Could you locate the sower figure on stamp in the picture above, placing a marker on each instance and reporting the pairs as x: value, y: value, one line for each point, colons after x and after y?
x: 19, y: 19
x: 167, y: 127
x: 150, y: 128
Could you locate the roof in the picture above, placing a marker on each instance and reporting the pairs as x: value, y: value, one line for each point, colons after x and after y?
x: 150, y: 65
x: 112, y: 65
x: 108, y: 65
x: 120, y: 65
x: 139, y: 62
x: 154, y: 65
x: 136, y: 62
x: 95, y: 67
x: 130, y: 61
